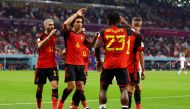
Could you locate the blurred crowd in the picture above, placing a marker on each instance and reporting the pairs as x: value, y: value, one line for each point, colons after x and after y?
x: 18, y: 37
x: 166, y: 46
x: 157, y: 14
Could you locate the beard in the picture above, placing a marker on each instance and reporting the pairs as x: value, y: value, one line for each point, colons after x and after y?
x: 49, y: 30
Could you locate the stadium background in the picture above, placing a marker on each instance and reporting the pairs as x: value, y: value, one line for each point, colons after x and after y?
x: 166, y: 28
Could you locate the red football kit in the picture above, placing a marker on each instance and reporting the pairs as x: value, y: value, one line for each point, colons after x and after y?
x: 115, y: 44
x: 74, y: 44
x: 46, y: 54
x: 135, y: 44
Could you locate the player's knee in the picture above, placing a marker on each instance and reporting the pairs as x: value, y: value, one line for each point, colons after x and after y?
x: 138, y: 88
x: 130, y: 88
x: 104, y: 86
x: 40, y: 87
x: 80, y: 86
x: 71, y: 87
x: 54, y: 86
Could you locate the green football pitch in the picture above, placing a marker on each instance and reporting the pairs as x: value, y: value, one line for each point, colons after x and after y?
x: 161, y: 90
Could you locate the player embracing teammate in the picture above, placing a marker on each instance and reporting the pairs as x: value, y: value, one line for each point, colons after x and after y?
x: 123, y: 47
x: 136, y: 56
x: 123, y: 53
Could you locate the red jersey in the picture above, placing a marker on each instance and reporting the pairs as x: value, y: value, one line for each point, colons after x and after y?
x: 86, y: 57
x: 115, y: 44
x: 74, y: 48
x: 46, y: 54
x: 135, y: 44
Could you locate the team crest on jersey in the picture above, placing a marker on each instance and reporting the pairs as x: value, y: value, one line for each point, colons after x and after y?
x: 78, y: 45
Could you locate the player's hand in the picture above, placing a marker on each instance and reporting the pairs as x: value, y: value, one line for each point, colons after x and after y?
x: 99, y: 66
x: 82, y: 30
x: 58, y: 51
x: 81, y: 11
x: 97, y: 34
x: 63, y: 52
x: 52, y: 32
x: 142, y: 75
x: 123, y: 21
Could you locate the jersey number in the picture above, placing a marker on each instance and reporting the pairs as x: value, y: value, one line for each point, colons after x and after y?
x: 84, y: 53
x: 51, y: 49
x: 120, y: 38
x: 128, y: 46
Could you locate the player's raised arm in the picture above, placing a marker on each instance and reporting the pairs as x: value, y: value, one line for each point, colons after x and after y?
x: 67, y: 23
x: 97, y: 47
x: 49, y: 30
x: 90, y: 44
x: 43, y: 42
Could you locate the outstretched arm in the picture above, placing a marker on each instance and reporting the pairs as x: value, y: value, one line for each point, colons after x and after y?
x: 66, y: 24
x: 97, y: 54
x: 90, y: 44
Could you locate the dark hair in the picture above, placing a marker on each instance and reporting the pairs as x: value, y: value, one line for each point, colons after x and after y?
x: 78, y: 17
x: 113, y: 18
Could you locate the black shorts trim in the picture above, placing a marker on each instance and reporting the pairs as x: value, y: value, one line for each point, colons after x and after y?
x: 74, y: 73
x: 121, y: 75
x: 41, y: 75
x: 134, y: 78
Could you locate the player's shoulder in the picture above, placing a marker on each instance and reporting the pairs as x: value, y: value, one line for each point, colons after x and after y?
x: 41, y: 34
x: 104, y: 28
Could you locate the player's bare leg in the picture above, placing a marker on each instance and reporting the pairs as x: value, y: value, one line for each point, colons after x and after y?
x: 54, y: 94
x: 66, y: 92
x: 124, y: 97
x: 39, y: 96
x: 179, y: 72
x: 78, y: 94
x: 137, y: 96
x: 131, y: 88
x: 83, y: 100
x: 103, y: 95
x: 185, y: 71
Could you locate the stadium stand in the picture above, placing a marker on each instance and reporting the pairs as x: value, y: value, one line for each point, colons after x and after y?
x: 21, y: 21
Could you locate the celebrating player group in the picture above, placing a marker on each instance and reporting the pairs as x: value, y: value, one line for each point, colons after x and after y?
x: 123, y: 45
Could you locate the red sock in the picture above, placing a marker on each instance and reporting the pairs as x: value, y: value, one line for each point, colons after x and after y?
x: 84, y: 103
x: 138, y: 106
x: 39, y: 103
x: 61, y: 103
x: 54, y: 103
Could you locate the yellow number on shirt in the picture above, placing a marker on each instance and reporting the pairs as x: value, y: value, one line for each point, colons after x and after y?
x: 84, y: 53
x: 128, y: 46
x: 121, y: 38
x: 112, y: 37
x: 55, y: 73
x: 51, y: 49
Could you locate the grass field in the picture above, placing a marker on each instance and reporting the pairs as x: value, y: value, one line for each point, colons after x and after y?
x: 161, y: 90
